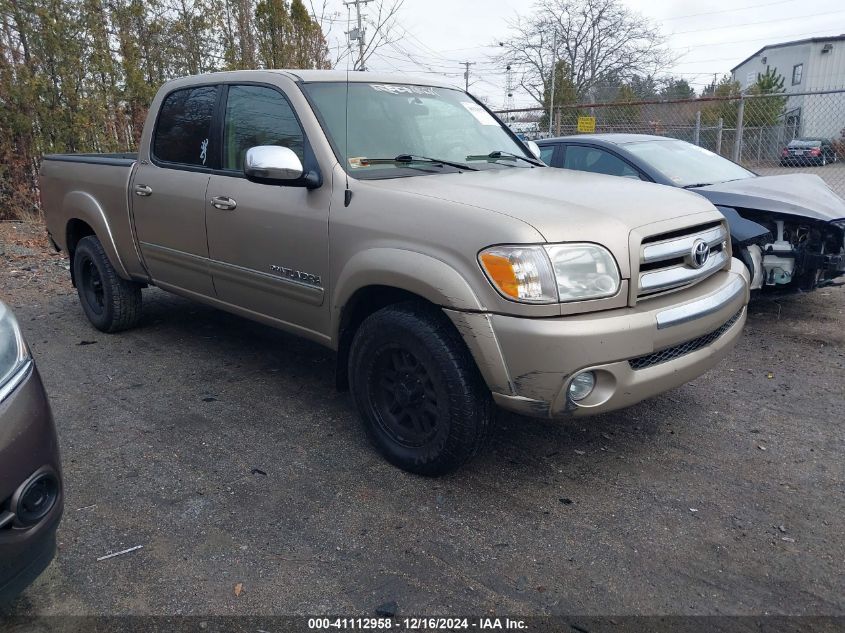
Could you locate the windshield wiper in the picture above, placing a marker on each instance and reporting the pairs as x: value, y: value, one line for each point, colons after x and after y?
x: 500, y: 154
x: 697, y: 185
x: 406, y: 159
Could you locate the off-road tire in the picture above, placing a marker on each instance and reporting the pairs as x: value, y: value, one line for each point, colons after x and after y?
x: 410, y: 355
x: 111, y: 303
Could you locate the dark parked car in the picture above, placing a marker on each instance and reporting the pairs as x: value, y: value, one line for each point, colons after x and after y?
x: 802, y: 152
x: 30, y: 474
x: 788, y: 229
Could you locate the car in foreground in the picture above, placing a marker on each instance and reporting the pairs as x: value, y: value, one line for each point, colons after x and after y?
x: 804, y: 152
x: 30, y: 472
x: 789, y: 229
x: 403, y: 225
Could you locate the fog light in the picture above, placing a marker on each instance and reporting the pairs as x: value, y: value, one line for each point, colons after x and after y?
x: 37, y: 499
x: 582, y: 385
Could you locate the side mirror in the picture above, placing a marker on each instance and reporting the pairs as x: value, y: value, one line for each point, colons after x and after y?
x: 535, y: 149
x: 271, y: 163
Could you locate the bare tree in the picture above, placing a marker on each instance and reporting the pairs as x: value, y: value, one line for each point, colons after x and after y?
x: 381, y: 29
x: 596, y: 41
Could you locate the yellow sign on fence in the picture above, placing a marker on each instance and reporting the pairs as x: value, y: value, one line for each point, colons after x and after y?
x: 587, y: 124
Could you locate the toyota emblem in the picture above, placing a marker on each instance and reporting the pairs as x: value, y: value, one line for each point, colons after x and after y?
x: 699, y: 254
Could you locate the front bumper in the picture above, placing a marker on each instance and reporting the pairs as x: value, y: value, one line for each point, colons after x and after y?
x: 28, y: 447
x: 635, y: 353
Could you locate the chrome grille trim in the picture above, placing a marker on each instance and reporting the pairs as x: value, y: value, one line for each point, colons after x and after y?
x: 664, y: 261
x: 702, y: 307
x: 681, y: 247
x: 677, y: 276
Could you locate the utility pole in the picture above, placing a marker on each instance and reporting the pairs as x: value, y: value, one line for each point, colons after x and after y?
x: 358, y: 33
x: 554, y: 74
x: 466, y: 73
x: 509, y: 102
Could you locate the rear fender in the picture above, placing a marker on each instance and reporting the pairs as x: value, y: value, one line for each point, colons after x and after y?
x: 79, y: 205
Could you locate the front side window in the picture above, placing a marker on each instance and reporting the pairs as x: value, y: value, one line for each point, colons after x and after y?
x: 384, y: 121
x: 183, y: 131
x: 258, y: 115
x: 597, y: 161
x: 546, y: 153
x: 797, y: 71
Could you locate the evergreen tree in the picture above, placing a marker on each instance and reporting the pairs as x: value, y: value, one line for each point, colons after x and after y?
x: 764, y: 110
x: 79, y: 75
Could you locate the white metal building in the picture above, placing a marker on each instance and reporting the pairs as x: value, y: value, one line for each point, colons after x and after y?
x: 810, y: 65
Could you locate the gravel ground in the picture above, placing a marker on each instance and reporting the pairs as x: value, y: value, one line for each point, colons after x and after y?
x: 222, y: 447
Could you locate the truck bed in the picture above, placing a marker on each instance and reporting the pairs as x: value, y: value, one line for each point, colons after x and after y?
x: 93, y: 188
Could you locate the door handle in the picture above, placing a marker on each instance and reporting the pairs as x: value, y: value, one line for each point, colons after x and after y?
x: 143, y: 190
x: 224, y: 203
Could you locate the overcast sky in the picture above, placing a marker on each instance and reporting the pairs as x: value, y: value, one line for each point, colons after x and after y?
x: 707, y: 37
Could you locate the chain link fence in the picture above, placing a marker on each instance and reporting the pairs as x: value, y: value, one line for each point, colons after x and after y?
x: 768, y: 134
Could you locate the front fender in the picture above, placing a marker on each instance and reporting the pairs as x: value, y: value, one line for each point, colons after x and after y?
x: 78, y: 205
x: 743, y: 230
x: 407, y: 270
x: 439, y: 283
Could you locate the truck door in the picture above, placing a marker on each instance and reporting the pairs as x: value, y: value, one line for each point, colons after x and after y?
x: 168, y: 192
x: 268, y: 243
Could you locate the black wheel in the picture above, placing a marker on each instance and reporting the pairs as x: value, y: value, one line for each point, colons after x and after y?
x: 824, y: 160
x: 110, y: 302
x: 416, y: 386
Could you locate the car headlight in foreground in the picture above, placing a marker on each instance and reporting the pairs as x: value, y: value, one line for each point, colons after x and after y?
x: 553, y: 273
x: 14, y: 354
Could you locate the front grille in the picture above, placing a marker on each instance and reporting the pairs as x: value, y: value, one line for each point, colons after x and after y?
x: 667, y: 263
x: 671, y: 353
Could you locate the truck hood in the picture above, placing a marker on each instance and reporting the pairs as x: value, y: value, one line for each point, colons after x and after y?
x: 804, y: 195
x: 562, y: 205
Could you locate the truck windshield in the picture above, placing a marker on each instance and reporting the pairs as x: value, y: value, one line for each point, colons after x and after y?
x: 386, y: 121
x: 687, y: 164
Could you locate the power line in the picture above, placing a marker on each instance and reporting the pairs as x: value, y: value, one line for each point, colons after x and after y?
x: 753, y: 6
x: 797, y: 17
x: 743, y: 41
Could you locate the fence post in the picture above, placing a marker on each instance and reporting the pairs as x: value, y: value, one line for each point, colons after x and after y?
x: 740, y: 115
x: 719, y: 135
x: 557, y: 121
x: 697, y: 135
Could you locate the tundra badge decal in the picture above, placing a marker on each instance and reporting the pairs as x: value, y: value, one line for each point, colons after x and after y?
x: 298, y: 275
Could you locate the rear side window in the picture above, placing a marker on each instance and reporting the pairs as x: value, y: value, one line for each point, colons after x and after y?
x: 597, y: 161
x: 546, y: 153
x: 257, y: 115
x: 183, y: 133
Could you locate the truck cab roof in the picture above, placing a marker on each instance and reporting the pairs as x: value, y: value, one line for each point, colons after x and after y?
x: 315, y: 76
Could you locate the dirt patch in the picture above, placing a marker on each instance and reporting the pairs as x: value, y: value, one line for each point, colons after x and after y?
x: 34, y: 270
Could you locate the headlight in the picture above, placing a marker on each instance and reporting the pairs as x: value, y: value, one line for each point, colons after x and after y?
x: 553, y: 273
x: 521, y: 273
x: 584, y: 271
x: 14, y: 353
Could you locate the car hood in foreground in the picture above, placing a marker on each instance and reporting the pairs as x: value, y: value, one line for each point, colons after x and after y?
x: 804, y: 195
x: 562, y: 205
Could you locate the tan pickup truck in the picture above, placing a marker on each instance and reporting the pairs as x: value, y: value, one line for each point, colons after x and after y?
x: 402, y: 225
